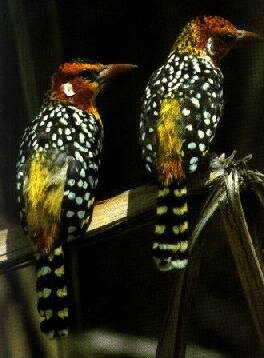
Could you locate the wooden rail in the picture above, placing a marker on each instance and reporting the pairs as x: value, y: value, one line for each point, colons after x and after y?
x: 224, y: 194
x: 16, y: 247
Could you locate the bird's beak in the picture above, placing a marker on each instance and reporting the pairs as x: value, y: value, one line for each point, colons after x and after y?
x: 246, y: 36
x: 114, y: 69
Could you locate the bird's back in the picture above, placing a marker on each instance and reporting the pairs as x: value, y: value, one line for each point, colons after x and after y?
x: 192, y: 87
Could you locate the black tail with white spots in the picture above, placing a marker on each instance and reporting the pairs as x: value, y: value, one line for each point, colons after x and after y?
x: 52, y: 294
x: 170, y: 248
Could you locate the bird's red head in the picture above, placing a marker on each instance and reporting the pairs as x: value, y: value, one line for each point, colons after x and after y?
x: 210, y: 37
x: 78, y: 82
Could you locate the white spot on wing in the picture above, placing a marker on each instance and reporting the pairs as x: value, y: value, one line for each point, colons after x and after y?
x: 79, y: 200
x: 193, y: 167
x: 201, y: 147
x: 71, y: 229
x: 81, y: 214
x: 209, y: 132
x: 149, y: 147
x: 185, y: 111
x: 195, y: 102
x: 205, y: 86
x: 192, y: 145
x: 69, y: 214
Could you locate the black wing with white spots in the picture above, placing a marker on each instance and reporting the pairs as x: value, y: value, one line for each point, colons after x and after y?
x: 65, y: 134
x: 197, y: 84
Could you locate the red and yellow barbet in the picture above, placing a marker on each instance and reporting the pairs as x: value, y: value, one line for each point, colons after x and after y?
x: 57, y: 174
x: 182, y: 105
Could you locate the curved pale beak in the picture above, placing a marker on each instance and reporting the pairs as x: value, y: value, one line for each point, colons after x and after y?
x: 115, y: 69
x: 243, y: 35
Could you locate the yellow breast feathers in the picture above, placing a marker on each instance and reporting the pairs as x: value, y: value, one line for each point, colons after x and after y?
x: 43, y: 193
x: 169, y: 140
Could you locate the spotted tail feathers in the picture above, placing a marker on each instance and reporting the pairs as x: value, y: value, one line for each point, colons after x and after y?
x: 52, y: 294
x: 170, y: 247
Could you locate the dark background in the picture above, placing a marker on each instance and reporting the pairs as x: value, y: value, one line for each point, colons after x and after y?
x: 123, y: 291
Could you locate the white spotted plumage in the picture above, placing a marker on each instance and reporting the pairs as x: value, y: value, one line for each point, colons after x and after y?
x: 65, y: 142
x: 195, y: 87
x: 67, y: 135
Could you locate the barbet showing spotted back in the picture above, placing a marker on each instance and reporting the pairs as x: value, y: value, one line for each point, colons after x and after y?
x: 57, y: 174
x: 182, y: 105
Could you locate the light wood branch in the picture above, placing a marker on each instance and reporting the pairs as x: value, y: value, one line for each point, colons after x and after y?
x: 225, y: 180
x: 15, y: 247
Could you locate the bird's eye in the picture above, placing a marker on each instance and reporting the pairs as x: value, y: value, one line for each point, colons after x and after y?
x: 228, y: 38
x: 89, y: 75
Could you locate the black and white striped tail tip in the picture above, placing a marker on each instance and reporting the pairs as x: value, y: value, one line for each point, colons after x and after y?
x: 170, y: 247
x: 168, y: 264
x: 169, y: 257
x: 54, y: 327
x: 52, y: 294
x: 63, y: 333
x: 53, y: 312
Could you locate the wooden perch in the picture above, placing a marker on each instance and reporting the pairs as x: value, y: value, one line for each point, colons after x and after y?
x: 224, y: 180
x: 16, y: 248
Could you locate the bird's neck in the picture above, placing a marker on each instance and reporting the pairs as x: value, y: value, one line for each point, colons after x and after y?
x: 193, y: 41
